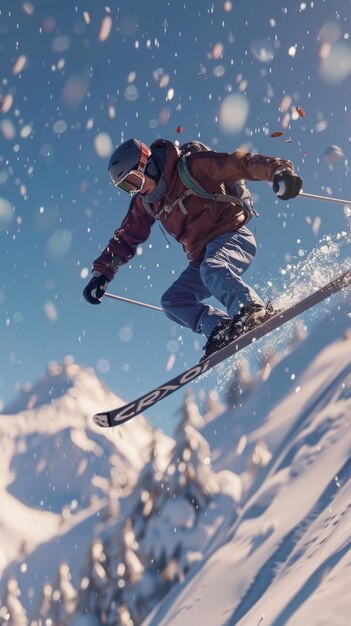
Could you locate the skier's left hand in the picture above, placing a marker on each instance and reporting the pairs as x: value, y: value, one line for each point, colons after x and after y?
x: 287, y: 184
x: 95, y: 289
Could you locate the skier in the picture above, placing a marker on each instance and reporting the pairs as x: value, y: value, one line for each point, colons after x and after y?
x: 190, y: 191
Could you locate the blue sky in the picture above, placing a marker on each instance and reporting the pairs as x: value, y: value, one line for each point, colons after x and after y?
x: 79, y: 78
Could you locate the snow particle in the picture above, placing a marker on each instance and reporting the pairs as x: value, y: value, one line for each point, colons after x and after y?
x: 6, y: 211
x: 262, y: 50
x: 28, y: 8
x: 51, y: 311
x: 61, y: 43
x: 233, y: 113
x: 103, y: 145
x: 172, y: 346
x: 59, y: 243
x: 75, y: 90
x: 333, y: 154
x: 335, y: 67
x: 125, y: 334
x: 6, y: 103
x: 131, y: 93
x: 26, y: 131
x: 20, y: 64
x: 8, y: 129
x: 103, y: 366
x: 105, y: 28
x: 59, y: 127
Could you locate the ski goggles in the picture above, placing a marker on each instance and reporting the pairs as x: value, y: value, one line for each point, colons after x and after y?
x: 134, y: 181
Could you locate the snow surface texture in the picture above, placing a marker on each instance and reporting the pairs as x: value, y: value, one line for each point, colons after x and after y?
x: 243, y: 519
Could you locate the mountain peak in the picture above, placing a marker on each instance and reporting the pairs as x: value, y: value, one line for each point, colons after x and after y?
x: 60, y: 379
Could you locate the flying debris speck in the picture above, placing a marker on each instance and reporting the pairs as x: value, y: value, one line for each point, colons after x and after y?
x: 300, y: 111
x: 277, y: 133
x: 179, y: 129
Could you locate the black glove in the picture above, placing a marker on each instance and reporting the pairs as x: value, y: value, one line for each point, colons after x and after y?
x: 95, y: 289
x: 287, y: 184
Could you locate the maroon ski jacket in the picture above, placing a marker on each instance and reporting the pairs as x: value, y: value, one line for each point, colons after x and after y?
x: 195, y: 221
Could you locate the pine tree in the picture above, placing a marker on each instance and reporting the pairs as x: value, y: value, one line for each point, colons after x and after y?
x: 16, y: 614
x: 94, y: 585
x: 123, y: 571
x: 43, y: 611
x: 63, y: 599
x: 190, y: 471
x: 150, y: 487
x: 240, y: 384
x: 213, y: 406
x: 190, y: 413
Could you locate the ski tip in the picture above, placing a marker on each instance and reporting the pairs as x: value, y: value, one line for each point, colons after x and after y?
x: 101, y: 419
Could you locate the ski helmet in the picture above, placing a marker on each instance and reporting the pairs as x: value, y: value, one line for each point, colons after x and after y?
x: 127, y: 165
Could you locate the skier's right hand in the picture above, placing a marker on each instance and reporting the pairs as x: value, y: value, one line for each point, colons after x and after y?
x: 95, y: 289
x: 286, y: 184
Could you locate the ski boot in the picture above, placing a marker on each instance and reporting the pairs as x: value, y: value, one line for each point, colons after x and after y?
x: 227, y: 330
x: 248, y: 317
x: 217, y: 339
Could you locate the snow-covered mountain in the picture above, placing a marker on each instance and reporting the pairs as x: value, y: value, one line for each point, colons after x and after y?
x: 242, y: 518
x: 59, y: 474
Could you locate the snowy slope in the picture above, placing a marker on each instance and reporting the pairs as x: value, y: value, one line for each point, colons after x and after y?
x: 281, y: 555
x: 285, y: 560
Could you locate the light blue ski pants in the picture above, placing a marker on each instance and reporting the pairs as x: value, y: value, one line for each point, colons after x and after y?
x: 219, y: 274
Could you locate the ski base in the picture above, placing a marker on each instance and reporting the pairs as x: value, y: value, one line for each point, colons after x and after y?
x: 126, y: 412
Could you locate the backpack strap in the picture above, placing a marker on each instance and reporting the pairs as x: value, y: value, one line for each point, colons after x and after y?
x: 194, y: 186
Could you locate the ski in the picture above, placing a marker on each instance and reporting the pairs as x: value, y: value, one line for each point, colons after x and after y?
x: 126, y: 412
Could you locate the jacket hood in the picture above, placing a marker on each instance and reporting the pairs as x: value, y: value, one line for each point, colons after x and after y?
x: 165, y: 154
